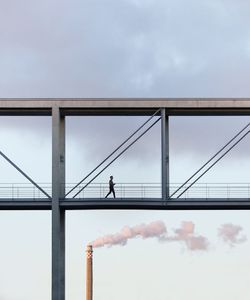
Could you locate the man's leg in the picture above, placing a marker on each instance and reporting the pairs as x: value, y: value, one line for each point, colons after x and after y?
x: 108, y: 194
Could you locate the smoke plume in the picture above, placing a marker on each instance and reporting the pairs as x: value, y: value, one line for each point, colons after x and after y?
x: 157, y: 230
x: 187, y: 235
x: 231, y: 234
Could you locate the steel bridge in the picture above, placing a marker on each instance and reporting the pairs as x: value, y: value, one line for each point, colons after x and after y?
x: 57, y: 196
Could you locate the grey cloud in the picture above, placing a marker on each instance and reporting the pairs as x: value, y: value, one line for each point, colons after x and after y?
x: 39, y: 126
x: 99, y: 136
x: 103, y: 134
x: 204, y: 136
x: 93, y: 138
x: 126, y: 48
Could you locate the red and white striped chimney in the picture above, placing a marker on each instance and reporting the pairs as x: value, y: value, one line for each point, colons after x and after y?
x: 89, y: 272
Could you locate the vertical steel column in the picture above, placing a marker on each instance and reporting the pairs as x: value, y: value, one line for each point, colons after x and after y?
x: 58, y: 214
x: 164, y: 154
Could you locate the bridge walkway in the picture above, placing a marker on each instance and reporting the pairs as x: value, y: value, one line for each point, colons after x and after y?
x: 128, y: 195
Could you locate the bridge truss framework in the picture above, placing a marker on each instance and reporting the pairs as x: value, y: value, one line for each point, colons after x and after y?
x: 58, y: 109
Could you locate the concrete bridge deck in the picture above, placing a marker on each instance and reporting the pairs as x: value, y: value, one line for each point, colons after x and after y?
x: 125, y: 106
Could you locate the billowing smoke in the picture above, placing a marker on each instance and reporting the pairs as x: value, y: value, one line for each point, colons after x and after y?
x: 187, y: 235
x: 231, y: 234
x: 157, y: 230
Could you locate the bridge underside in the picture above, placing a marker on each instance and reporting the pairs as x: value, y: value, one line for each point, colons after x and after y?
x: 128, y: 203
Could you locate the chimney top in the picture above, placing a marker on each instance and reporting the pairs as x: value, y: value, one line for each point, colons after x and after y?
x: 89, y: 248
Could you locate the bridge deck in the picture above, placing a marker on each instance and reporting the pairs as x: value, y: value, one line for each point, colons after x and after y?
x: 16, y: 196
x: 130, y: 203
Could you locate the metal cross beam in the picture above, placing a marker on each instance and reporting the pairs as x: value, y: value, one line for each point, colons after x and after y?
x: 24, y: 174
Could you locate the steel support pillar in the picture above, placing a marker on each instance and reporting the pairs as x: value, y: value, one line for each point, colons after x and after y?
x: 58, y: 214
x: 164, y: 154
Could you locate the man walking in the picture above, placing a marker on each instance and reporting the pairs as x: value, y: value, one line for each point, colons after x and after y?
x: 111, y: 187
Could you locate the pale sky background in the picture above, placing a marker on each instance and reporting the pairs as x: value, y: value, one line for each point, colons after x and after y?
x: 127, y: 48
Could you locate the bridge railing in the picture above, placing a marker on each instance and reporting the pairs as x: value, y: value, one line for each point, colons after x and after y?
x: 214, y: 190
x: 122, y: 190
x: 23, y: 191
x: 153, y: 190
x: 129, y: 190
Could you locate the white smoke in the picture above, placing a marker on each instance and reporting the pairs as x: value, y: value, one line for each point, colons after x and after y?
x: 187, y: 235
x: 231, y: 234
x: 157, y: 230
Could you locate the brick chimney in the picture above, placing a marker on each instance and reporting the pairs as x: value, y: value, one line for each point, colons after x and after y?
x: 89, y: 272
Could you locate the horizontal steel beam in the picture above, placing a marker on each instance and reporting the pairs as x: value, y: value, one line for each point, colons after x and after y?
x: 25, y: 204
x: 157, y: 204
x: 129, y: 203
x: 24, y: 112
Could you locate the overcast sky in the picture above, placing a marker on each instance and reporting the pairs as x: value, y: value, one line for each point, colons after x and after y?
x: 124, y: 48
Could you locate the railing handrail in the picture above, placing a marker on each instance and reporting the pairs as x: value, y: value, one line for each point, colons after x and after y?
x: 131, y: 189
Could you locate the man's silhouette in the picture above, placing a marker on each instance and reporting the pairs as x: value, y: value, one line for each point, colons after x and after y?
x: 111, y: 187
